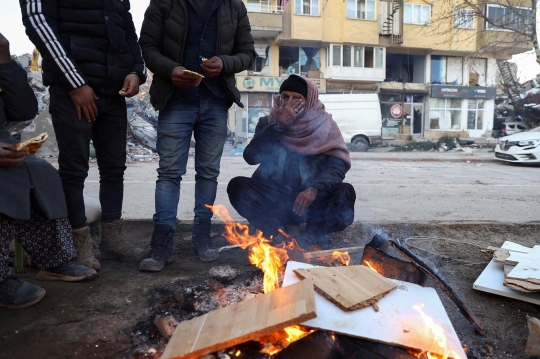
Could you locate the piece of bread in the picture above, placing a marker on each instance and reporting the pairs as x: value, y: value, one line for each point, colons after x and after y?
x: 30, y: 146
x: 204, y: 60
x: 195, y: 75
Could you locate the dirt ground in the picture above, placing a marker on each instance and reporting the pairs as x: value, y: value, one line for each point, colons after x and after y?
x: 111, y: 316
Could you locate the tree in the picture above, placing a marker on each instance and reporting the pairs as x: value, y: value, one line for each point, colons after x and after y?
x: 500, y: 27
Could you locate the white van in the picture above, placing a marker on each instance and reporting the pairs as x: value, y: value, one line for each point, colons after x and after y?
x: 358, y: 117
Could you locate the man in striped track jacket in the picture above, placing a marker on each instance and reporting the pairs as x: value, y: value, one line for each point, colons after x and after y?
x: 91, y: 61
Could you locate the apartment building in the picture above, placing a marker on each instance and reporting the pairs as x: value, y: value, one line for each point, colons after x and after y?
x: 433, y: 63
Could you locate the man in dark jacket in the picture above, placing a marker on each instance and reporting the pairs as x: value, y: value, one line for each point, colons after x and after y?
x: 32, y: 205
x: 91, y: 61
x: 302, y: 160
x: 212, y: 37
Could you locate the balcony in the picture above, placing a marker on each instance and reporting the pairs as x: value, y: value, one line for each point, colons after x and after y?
x: 266, y: 20
x: 354, y: 73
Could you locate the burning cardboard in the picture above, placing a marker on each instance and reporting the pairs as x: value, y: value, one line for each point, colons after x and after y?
x: 241, y: 322
x: 398, y: 322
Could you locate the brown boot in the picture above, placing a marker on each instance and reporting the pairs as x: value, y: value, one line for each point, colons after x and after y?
x: 85, y: 251
x: 114, y: 246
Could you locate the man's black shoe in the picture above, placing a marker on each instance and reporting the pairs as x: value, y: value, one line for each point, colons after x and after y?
x: 161, y: 250
x: 15, y: 293
x: 201, y: 240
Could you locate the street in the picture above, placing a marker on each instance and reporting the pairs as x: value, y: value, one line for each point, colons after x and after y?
x: 387, y: 191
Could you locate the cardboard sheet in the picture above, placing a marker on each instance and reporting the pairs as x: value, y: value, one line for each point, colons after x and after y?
x: 241, y: 322
x: 396, y: 323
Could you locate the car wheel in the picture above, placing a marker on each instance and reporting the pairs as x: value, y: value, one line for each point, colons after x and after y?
x: 360, y: 144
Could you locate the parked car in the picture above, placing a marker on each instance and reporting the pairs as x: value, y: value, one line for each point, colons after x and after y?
x: 511, y: 128
x: 358, y: 117
x: 523, y: 147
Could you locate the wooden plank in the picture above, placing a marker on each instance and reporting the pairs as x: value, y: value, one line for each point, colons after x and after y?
x: 241, y: 322
x: 493, y: 249
x: 348, y: 287
x: 329, y: 252
x: 491, y: 281
x: 397, y: 323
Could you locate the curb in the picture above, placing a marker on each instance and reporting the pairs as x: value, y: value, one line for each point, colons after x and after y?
x: 453, y: 160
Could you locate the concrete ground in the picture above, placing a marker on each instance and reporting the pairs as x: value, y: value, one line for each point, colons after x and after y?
x: 399, y: 187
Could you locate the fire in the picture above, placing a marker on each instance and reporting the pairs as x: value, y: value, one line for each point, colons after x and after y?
x: 438, y: 332
x: 369, y: 265
x: 261, y: 254
x: 271, y: 261
x: 343, y: 257
x: 237, y: 354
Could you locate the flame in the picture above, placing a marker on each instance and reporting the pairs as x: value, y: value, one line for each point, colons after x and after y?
x: 237, y: 354
x: 369, y: 265
x: 271, y: 261
x: 438, y: 332
x: 261, y: 254
x: 343, y: 257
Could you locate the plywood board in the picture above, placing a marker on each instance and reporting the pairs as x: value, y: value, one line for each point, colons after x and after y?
x: 397, y: 323
x: 348, y: 287
x: 242, y: 322
x: 491, y: 281
x: 528, y: 268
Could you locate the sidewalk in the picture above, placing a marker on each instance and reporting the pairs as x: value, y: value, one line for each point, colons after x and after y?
x: 383, y: 154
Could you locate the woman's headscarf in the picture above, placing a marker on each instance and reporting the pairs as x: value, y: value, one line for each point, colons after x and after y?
x: 314, y: 132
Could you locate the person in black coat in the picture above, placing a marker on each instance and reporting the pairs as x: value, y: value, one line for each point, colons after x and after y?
x: 32, y: 204
x: 92, y: 62
x: 177, y: 35
x: 302, y: 160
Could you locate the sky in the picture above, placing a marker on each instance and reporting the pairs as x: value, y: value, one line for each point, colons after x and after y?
x: 11, y: 27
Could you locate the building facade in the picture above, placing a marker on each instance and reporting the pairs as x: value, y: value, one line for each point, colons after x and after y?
x: 435, y: 69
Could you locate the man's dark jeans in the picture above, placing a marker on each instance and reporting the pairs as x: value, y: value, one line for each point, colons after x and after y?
x: 206, y: 119
x: 268, y: 207
x: 108, y: 133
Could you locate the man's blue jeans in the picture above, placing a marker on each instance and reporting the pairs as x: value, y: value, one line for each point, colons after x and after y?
x: 207, y: 120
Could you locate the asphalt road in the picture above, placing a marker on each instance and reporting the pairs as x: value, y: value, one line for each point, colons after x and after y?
x: 386, y: 191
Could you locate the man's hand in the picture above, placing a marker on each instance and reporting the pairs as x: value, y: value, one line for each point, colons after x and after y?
x: 182, y: 80
x: 131, y: 85
x: 212, y: 68
x: 290, y: 111
x: 9, y: 158
x: 5, y: 56
x: 304, y: 200
x: 84, y: 100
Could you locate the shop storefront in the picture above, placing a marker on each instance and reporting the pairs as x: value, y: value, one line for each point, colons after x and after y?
x: 257, y: 94
x: 402, y: 115
x: 460, y: 109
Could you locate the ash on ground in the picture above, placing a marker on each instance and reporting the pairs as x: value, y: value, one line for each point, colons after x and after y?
x: 185, y: 299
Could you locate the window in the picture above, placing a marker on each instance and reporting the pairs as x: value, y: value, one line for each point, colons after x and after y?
x: 357, y: 56
x: 475, y: 115
x: 405, y: 68
x: 500, y: 17
x: 298, y: 60
x: 361, y: 9
x: 306, y: 7
x: 262, y: 60
x: 445, y: 114
x: 477, y: 72
x: 446, y: 70
x: 417, y: 14
x: 464, y: 18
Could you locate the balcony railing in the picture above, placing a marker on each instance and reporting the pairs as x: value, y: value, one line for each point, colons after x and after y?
x: 267, y: 9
